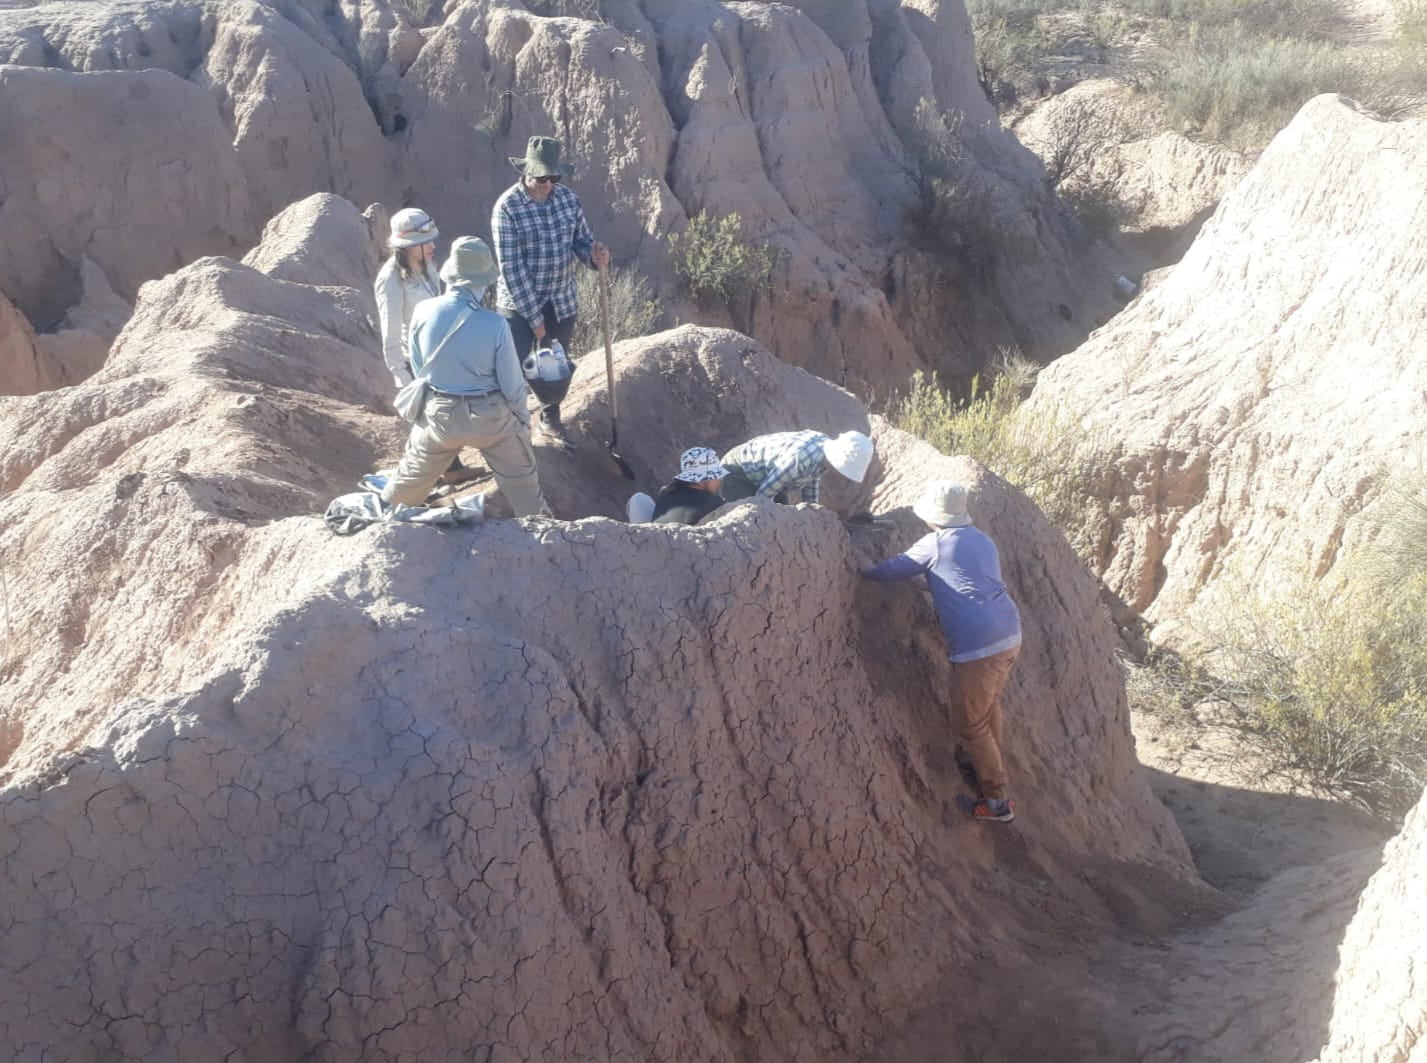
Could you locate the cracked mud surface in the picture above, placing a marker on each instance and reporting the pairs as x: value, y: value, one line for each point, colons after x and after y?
x: 534, y: 790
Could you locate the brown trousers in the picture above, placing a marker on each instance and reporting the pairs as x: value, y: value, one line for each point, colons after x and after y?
x: 486, y: 423
x: 976, y: 689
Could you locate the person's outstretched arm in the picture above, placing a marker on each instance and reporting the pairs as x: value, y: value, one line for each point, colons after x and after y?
x: 916, y: 561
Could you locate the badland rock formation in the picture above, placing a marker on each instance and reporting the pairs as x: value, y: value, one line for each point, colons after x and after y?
x: 533, y: 790
x: 145, y: 135
x: 1380, y: 1014
x: 1101, y: 135
x: 1250, y: 408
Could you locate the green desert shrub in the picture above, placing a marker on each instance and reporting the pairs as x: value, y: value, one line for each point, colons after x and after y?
x: 586, y: 9
x: 632, y: 308
x: 1271, y: 18
x: 1242, y: 89
x: 719, y: 264
x: 1012, y: 42
x: 958, y: 213
x: 1411, y: 26
x: 1328, y: 685
x: 1047, y: 456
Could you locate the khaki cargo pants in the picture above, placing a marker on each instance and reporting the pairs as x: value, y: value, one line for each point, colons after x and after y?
x: 976, y: 689
x: 487, y: 423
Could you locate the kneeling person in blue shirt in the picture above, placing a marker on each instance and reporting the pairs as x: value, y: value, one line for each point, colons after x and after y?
x: 982, y: 628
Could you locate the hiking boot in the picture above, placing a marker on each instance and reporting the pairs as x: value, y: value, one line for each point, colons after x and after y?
x: 981, y: 808
x: 554, y: 434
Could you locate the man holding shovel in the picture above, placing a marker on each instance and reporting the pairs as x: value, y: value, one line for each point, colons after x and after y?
x: 539, y: 230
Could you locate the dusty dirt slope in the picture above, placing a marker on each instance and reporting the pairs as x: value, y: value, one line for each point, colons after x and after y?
x: 144, y: 135
x: 1380, y: 1012
x: 533, y: 790
x: 1257, y: 401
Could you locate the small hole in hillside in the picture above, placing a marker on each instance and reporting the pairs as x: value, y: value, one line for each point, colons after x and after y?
x: 1065, y: 312
x: 398, y: 123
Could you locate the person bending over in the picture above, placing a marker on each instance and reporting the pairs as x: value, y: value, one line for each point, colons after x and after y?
x: 788, y: 466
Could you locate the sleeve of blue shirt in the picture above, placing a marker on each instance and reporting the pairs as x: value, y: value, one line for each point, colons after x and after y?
x: 508, y: 374
x: 420, y: 336
x: 916, y: 561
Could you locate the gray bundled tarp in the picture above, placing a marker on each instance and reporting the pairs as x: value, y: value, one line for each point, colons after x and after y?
x: 349, y: 514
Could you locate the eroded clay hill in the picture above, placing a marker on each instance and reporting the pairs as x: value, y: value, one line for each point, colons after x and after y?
x: 1257, y: 401
x: 1380, y: 1013
x: 531, y: 790
x: 145, y: 135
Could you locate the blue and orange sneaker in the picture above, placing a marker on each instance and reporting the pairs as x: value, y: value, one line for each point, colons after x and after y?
x: 983, y: 809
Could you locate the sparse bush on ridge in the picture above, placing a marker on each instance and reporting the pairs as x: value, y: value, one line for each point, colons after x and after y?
x: 959, y: 214
x: 1411, y: 27
x: 1241, y: 90
x: 585, y: 9
x: 1323, y: 685
x: 1010, y: 46
x: 632, y: 308
x: 719, y: 264
x: 1230, y: 71
x: 1047, y: 456
x: 1270, y: 18
x: 1073, y: 151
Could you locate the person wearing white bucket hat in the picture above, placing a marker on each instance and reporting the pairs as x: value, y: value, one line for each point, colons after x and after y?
x: 405, y: 280
x: 475, y: 389
x: 694, y: 492
x: 982, y: 628
x: 778, y: 465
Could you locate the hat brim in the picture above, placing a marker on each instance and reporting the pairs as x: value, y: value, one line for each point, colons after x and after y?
x: 475, y: 280
x: 702, y: 477
x: 395, y: 242
x: 941, y: 518
x: 535, y: 168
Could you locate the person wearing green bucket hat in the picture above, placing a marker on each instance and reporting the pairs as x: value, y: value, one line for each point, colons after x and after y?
x: 472, y: 389
x: 539, y: 230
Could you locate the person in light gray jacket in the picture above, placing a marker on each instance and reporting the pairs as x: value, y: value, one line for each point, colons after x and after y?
x: 476, y: 390
x: 405, y: 280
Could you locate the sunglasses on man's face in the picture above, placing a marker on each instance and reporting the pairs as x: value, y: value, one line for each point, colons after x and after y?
x: 549, y: 179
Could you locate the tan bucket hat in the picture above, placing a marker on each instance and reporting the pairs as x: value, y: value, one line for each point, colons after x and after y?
x: 943, y: 503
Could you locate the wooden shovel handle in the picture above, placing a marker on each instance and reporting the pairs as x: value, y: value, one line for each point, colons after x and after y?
x: 608, y: 347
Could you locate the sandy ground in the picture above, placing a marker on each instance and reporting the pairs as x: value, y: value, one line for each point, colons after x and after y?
x: 1243, y: 826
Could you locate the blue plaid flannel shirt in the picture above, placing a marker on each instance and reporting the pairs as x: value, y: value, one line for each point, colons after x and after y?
x: 781, y: 462
x: 535, y: 244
